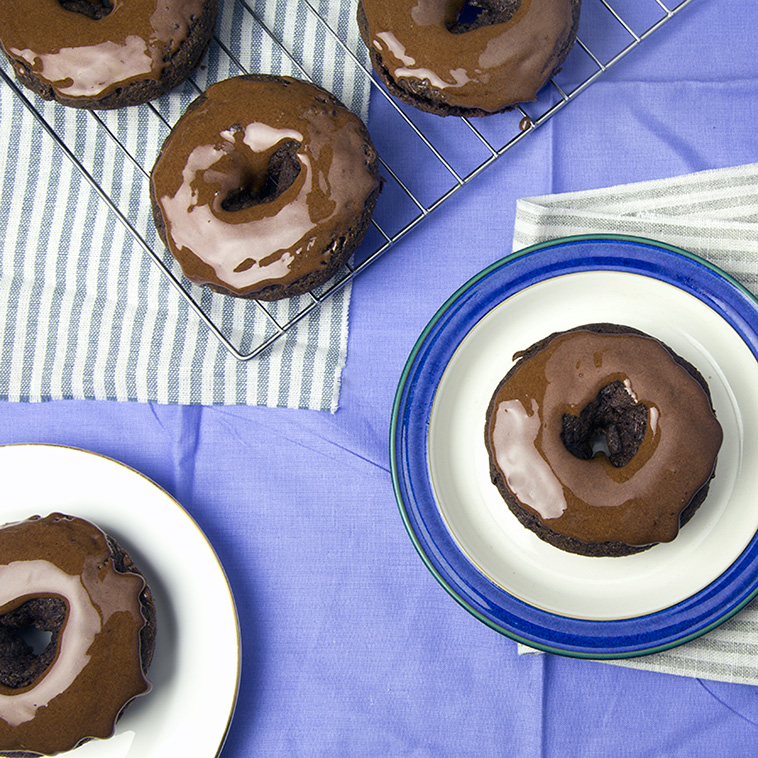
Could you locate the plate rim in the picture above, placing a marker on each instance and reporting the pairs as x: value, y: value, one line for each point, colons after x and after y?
x: 395, y: 428
x: 186, y: 515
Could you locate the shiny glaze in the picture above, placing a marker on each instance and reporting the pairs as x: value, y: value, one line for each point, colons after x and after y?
x: 82, y: 57
x: 487, y: 68
x: 224, y: 143
x: 97, y: 668
x: 637, y: 504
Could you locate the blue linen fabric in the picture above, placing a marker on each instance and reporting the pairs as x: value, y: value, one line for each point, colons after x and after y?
x: 350, y: 647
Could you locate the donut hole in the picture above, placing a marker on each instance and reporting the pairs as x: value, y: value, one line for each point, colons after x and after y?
x: 94, y: 9
x: 283, y: 169
x: 612, y: 425
x: 599, y: 444
x: 37, y: 639
x: 474, y: 14
x: 29, y: 640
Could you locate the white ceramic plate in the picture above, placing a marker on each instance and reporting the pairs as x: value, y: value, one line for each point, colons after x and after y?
x: 513, y: 557
x: 195, y: 669
x: 457, y: 520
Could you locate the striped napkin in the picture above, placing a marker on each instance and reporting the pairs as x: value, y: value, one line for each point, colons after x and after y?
x: 84, y: 310
x: 715, y: 215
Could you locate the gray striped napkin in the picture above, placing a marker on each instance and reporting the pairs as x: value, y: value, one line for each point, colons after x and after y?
x: 715, y: 215
x: 84, y: 311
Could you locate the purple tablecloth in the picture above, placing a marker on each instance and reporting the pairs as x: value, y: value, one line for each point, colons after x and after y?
x: 349, y: 645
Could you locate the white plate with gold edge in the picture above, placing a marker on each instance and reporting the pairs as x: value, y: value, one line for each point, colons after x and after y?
x: 190, y: 707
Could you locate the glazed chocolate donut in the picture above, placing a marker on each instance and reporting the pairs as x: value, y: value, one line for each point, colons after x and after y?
x: 431, y: 56
x: 265, y: 187
x: 63, y: 575
x: 102, y: 54
x: 548, y: 418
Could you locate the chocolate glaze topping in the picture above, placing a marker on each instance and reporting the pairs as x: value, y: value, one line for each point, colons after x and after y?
x: 638, y: 503
x: 487, y: 67
x: 92, y: 51
x: 228, y: 223
x: 97, y: 665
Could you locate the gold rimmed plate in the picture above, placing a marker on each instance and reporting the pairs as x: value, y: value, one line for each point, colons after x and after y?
x: 189, y: 710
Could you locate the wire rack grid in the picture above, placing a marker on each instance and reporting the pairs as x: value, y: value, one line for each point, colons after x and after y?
x: 453, y: 151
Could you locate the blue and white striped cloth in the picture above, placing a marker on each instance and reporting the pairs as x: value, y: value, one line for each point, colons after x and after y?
x: 84, y: 310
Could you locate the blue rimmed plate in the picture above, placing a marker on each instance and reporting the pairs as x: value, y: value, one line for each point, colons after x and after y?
x: 467, y: 537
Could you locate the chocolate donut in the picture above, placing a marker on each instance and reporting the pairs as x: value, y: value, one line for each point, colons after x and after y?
x: 467, y: 57
x: 602, y: 440
x: 102, y: 54
x: 64, y: 576
x: 265, y: 187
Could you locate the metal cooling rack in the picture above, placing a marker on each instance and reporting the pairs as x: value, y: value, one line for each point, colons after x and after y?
x: 453, y: 150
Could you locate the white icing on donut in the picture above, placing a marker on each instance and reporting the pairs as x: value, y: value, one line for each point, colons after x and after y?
x: 26, y: 578
x: 528, y: 474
